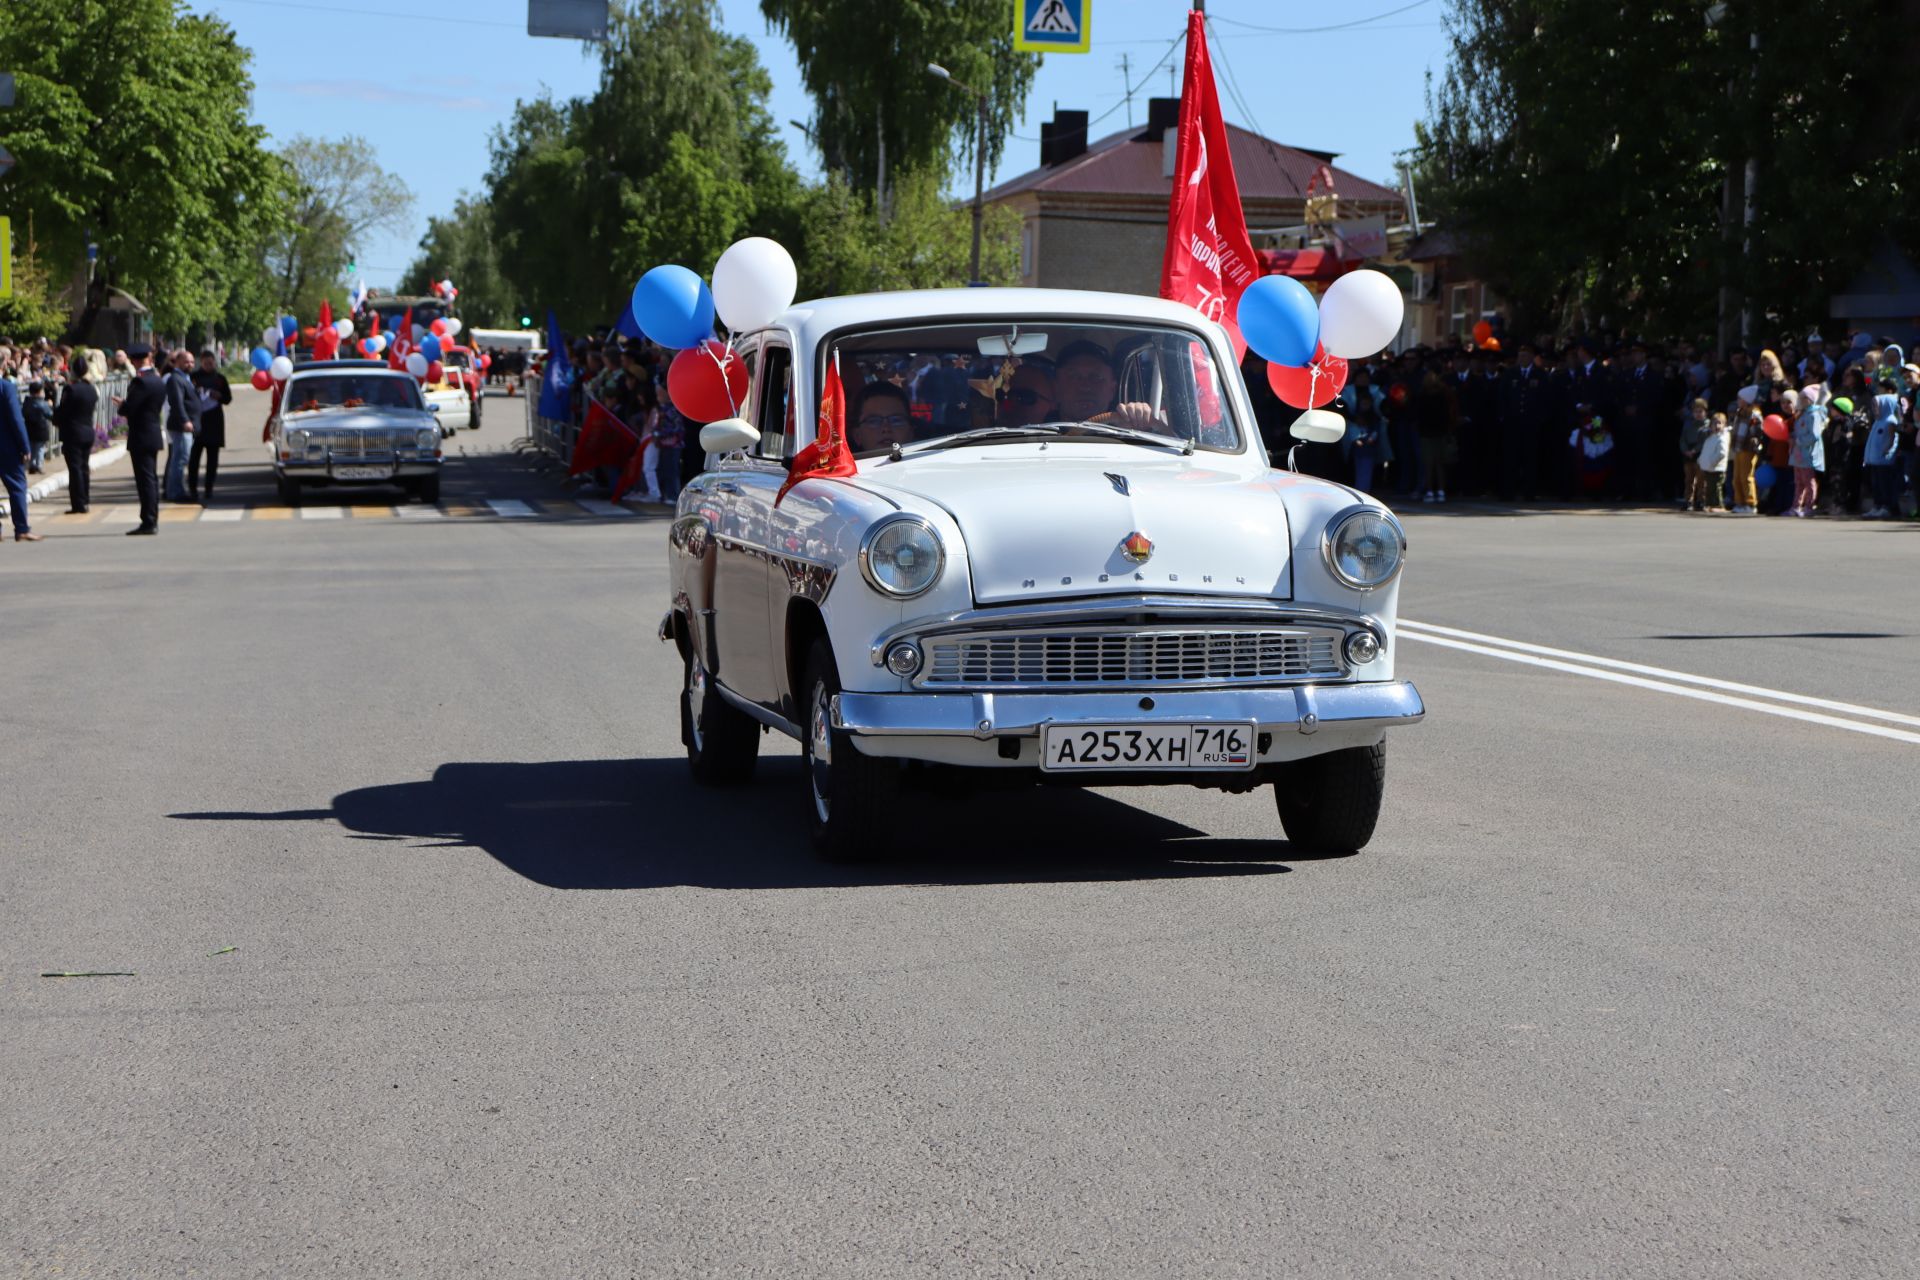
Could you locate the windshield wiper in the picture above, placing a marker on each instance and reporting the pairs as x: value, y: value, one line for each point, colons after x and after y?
x: 974, y: 436
x: 1183, y: 443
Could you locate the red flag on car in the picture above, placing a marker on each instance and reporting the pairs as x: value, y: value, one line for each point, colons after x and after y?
x: 604, y: 441
x: 326, y: 343
x: 828, y: 455
x: 1209, y: 260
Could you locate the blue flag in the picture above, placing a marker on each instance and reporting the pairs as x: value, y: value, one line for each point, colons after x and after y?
x: 626, y: 326
x: 558, y: 379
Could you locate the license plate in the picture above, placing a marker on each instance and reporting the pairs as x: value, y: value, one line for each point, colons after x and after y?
x: 363, y: 473
x: 1084, y: 747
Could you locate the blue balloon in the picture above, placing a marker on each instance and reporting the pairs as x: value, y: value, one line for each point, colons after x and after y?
x: 260, y: 358
x: 1280, y: 320
x: 673, y: 306
x: 1764, y: 476
x: 289, y: 326
x: 430, y: 347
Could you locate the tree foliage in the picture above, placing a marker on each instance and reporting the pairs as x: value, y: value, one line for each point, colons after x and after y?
x: 864, y: 62
x: 1581, y: 153
x: 923, y: 242
x: 133, y: 132
x: 341, y: 195
x: 461, y: 246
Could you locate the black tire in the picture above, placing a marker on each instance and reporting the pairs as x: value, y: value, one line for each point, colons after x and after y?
x: 427, y: 489
x: 289, y: 490
x: 851, y: 798
x: 1330, y: 803
x: 722, y: 742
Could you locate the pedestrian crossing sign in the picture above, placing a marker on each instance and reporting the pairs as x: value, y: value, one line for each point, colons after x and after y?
x: 1052, y: 26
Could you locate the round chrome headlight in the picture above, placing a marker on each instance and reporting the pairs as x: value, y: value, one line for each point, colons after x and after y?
x: 902, y: 556
x: 426, y: 438
x: 1364, y: 547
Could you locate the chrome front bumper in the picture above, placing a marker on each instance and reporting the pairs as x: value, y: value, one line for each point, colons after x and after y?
x: 1347, y: 714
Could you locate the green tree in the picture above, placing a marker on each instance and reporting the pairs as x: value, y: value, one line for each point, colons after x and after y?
x: 133, y: 132
x: 461, y: 247
x: 341, y: 195
x: 35, y: 309
x: 925, y: 241
x: 864, y: 62
x: 1582, y: 154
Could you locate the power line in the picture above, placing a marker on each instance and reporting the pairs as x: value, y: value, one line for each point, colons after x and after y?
x: 1308, y: 31
x: 1233, y: 91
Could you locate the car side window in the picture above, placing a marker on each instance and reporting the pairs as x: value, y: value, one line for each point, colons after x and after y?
x: 775, y: 404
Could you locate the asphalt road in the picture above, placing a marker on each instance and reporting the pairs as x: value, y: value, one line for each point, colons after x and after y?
x: 1625, y: 984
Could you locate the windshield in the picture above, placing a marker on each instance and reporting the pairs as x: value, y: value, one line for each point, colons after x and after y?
x: 918, y: 384
x: 350, y: 391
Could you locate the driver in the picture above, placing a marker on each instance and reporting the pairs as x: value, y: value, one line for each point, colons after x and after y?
x: 1028, y: 398
x: 881, y: 417
x: 1085, y: 384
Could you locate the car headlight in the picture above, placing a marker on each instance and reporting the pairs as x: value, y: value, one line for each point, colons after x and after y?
x: 1364, y: 547
x: 297, y: 441
x: 426, y: 438
x: 901, y: 556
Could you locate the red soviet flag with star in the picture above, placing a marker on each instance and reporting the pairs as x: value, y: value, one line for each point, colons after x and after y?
x: 829, y: 454
x: 1209, y: 260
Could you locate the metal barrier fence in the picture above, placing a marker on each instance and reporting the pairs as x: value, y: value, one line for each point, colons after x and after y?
x: 110, y: 388
x: 550, y: 435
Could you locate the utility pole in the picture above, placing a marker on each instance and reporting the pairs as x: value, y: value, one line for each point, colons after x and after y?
x: 979, y: 163
x: 1126, y: 79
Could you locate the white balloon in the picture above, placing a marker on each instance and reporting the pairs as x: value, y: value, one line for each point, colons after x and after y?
x: 454, y: 326
x: 270, y: 336
x: 417, y: 365
x: 281, y: 368
x: 344, y: 328
x: 753, y: 282
x: 1360, y: 314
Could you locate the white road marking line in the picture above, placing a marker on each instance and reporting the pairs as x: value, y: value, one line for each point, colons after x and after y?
x: 411, y: 512
x: 322, y: 513
x: 1660, y: 686
x: 121, y: 515
x: 217, y: 514
x: 1682, y: 677
x: 509, y: 507
x: 601, y: 507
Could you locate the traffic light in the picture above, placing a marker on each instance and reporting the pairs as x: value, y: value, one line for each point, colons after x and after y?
x: 526, y: 322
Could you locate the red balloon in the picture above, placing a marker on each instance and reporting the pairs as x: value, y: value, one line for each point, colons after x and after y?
x: 262, y: 380
x: 486, y: 362
x: 1317, y: 382
x: 434, y: 371
x: 1481, y: 332
x: 1397, y: 393
x: 707, y: 383
x: 1774, y: 426
x: 439, y: 328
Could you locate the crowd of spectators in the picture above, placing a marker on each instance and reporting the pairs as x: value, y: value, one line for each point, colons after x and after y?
x: 629, y: 379
x: 1790, y: 430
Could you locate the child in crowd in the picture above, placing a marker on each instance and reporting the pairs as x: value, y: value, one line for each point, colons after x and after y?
x: 1883, y: 475
x: 1808, y: 452
x: 1692, y: 432
x: 1714, y: 449
x: 1592, y: 445
x: 1749, y: 443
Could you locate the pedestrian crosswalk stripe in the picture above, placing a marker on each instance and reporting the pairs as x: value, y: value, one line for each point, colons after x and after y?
x: 320, y: 513
x: 121, y: 515
x: 509, y: 507
x: 370, y: 511
x: 601, y: 507
x: 224, y: 513
x: 271, y: 513
x: 177, y: 515
x: 419, y: 513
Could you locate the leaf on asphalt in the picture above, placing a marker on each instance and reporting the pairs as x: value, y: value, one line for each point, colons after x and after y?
x: 93, y: 973
x: 223, y: 951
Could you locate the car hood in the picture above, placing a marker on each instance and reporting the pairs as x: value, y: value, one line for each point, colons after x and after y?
x: 1049, y: 523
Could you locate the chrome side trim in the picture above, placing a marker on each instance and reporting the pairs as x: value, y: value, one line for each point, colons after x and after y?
x: 1299, y: 708
x: 772, y: 719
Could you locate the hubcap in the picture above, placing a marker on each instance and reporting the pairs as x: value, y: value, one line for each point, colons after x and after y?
x: 820, y: 750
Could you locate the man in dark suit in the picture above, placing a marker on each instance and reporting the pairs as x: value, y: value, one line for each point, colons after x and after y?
x: 13, y: 453
x: 215, y: 394
x: 142, y: 407
x: 73, y: 419
x: 183, y: 422
x: 1524, y: 426
x: 1637, y: 395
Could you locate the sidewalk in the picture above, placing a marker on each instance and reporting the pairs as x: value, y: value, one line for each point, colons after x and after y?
x: 48, y: 485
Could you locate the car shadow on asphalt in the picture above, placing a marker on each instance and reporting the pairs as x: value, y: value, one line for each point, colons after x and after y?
x: 640, y: 824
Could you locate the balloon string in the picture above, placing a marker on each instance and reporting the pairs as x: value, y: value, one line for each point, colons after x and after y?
x: 706, y: 349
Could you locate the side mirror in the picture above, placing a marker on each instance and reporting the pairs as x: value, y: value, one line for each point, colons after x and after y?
x: 432, y: 407
x: 727, y: 435
x: 1319, y: 426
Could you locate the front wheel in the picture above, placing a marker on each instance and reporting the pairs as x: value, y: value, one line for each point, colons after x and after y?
x: 850, y: 795
x: 722, y: 741
x: 1331, y: 802
x: 427, y: 489
x: 289, y: 490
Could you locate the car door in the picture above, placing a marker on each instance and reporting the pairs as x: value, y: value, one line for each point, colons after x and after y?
x: 744, y: 571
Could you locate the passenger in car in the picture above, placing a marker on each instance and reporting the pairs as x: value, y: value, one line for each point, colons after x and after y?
x: 1084, y: 381
x: 881, y: 417
x: 1028, y: 397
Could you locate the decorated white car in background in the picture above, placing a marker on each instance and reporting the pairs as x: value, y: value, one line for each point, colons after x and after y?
x: 1062, y: 549
x: 354, y: 422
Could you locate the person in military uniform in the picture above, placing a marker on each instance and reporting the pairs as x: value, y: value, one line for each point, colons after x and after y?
x: 143, y: 406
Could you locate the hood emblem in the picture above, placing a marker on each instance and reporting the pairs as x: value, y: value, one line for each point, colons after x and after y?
x: 1118, y: 482
x: 1137, y: 548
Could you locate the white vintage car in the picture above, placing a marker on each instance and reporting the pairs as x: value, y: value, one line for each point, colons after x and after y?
x: 354, y: 422
x: 1065, y: 552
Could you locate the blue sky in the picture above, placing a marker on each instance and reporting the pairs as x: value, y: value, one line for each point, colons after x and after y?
x: 426, y: 84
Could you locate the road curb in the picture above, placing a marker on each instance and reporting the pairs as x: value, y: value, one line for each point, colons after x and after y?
x: 55, y: 483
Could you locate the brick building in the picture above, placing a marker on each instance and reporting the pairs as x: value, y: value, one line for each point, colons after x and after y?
x: 1095, y: 217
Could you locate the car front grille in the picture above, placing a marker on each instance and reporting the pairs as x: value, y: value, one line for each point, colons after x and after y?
x: 1138, y: 658
x: 353, y: 445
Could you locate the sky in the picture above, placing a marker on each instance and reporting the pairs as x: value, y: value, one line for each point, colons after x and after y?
x: 427, y: 84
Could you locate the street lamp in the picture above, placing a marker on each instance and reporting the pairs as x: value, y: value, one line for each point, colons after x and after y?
x: 979, y: 161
